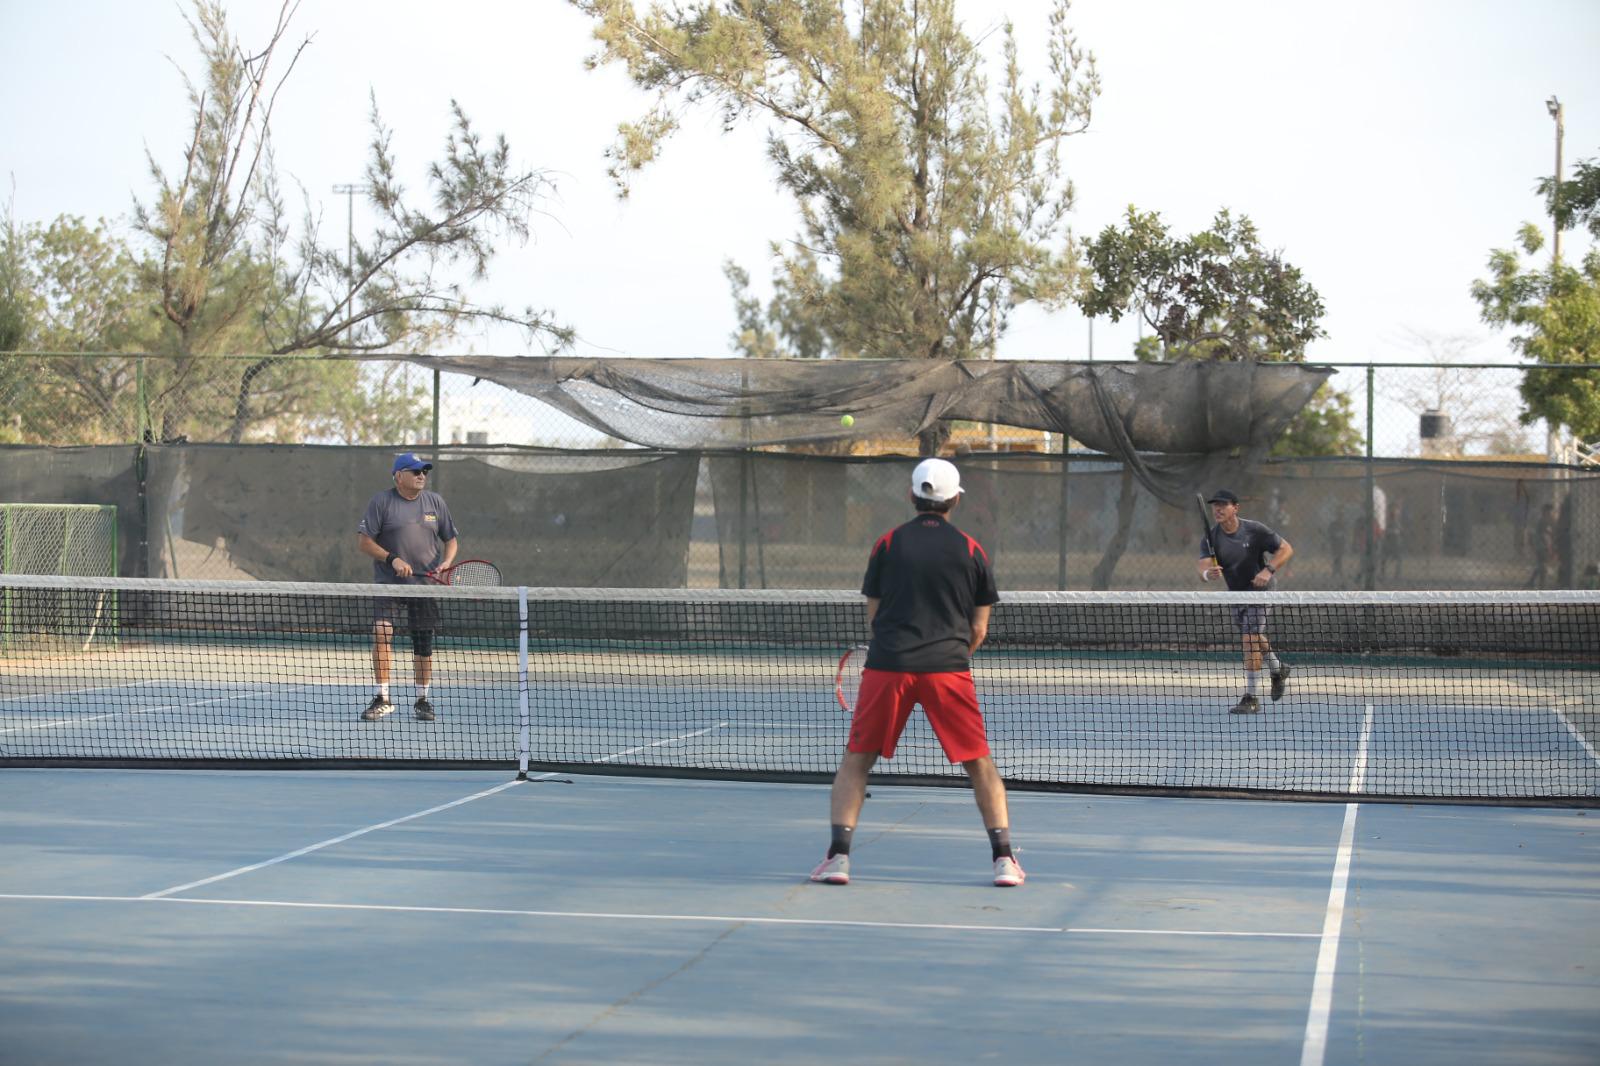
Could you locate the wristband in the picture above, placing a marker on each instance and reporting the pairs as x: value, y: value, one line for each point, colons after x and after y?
x: 389, y: 562
x: 1269, y: 568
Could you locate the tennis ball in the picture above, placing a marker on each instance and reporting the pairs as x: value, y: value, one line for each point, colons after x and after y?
x: 847, y: 420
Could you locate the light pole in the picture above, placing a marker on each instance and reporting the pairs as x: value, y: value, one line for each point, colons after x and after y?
x: 349, y: 193
x: 1554, y: 107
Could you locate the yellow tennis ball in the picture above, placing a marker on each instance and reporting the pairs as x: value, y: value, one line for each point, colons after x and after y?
x: 847, y: 420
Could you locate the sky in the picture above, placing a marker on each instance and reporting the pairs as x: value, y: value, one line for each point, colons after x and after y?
x: 1384, y: 148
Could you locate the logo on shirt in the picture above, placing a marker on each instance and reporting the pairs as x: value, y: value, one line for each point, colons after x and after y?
x: 429, y: 516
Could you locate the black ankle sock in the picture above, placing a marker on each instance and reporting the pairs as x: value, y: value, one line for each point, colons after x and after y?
x: 1000, y: 842
x: 841, y: 840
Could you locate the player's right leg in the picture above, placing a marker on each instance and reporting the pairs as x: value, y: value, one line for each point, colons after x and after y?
x: 382, y: 657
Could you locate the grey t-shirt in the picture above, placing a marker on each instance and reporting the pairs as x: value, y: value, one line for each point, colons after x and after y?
x: 412, y: 529
x: 1240, y: 553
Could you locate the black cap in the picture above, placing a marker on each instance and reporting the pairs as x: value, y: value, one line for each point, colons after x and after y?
x: 1223, y: 496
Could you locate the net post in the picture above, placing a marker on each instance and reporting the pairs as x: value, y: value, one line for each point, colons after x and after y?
x: 1369, y: 561
x: 522, y: 682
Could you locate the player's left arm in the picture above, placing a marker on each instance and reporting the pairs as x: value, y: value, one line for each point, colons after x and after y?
x: 449, y: 553
x: 1274, y: 562
x: 980, y: 629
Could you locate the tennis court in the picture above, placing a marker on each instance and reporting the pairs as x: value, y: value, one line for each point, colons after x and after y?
x: 598, y: 852
x: 194, y: 916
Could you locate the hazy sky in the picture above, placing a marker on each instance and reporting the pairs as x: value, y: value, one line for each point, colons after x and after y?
x: 1383, y: 147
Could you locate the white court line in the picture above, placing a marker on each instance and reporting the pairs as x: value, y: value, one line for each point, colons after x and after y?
x: 397, y: 821
x: 115, y: 714
x: 1576, y: 735
x: 721, y: 919
x: 1316, y: 1042
x: 660, y: 743
x: 77, y: 691
x: 336, y: 840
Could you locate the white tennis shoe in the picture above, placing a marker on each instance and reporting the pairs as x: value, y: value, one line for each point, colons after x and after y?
x: 834, y: 870
x: 1008, y: 872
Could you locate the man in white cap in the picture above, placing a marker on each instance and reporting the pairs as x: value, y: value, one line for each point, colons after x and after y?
x: 929, y: 590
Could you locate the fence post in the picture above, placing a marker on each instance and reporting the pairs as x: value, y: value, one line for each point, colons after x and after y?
x: 1061, y: 514
x: 435, y: 431
x: 141, y: 414
x: 1370, y: 555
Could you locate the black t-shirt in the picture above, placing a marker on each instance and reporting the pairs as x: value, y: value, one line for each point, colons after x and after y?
x: 930, y: 578
x: 1240, y: 553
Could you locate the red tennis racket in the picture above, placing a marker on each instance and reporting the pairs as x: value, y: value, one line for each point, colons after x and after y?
x: 847, y: 680
x: 477, y: 572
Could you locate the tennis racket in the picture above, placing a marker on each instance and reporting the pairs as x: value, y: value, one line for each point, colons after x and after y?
x: 478, y: 572
x: 1205, y: 528
x: 847, y: 681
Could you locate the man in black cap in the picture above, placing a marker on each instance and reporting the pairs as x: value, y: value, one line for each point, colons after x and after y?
x: 1247, y: 555
x: 407, y: 532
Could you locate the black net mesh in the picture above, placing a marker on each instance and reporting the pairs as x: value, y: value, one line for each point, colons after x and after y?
x: 1486, y: 696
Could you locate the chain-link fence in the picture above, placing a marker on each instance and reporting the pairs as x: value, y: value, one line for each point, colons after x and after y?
x: 640, y: 518
x: 256, y: 468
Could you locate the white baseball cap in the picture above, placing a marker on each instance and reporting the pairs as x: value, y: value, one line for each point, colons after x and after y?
x: 936, y: 480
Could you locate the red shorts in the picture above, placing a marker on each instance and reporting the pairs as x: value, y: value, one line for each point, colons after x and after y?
x: 949, y: 700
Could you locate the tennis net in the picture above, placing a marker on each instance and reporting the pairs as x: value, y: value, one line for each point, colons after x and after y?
x: 1438, y: 695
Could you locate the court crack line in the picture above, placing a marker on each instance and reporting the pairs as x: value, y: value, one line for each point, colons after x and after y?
x: 630, y: 998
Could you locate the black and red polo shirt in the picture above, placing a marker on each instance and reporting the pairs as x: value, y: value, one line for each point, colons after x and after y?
x: 930, y: 578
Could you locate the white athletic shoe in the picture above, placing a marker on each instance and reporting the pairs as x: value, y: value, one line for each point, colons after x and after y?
x: 1008, y: 872
x: 834, y: 870
x: 377, y: 709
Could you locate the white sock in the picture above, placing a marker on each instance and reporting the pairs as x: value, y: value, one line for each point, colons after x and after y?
x: 383, y: 690
x: 1252, y: 681
x: 1272, y: 662
x: 422, y: 691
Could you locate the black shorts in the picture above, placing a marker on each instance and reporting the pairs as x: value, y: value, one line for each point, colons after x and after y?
x: 421, y: 619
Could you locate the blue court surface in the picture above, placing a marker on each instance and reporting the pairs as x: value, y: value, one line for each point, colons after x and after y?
x: 180, y: 917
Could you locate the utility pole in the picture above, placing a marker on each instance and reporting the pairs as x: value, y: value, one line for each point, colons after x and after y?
x: 349, y: 193
x: 1552, y: 436
x: 1556, y: 112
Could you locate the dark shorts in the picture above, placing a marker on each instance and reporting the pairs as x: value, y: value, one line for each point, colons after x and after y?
x: 1251, y: 620
x: 421, y: 619
x: 948, y: 699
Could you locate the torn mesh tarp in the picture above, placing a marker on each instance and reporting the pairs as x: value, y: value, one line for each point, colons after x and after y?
x: 1172, y: 422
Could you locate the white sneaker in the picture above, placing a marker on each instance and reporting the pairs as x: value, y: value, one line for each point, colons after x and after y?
x: 1008, y: 872
x: 376, y: 709
x: 833, y: 871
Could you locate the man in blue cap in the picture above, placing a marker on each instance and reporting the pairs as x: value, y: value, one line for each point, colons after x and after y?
x: 1248, y: 556
x: 407, y: 532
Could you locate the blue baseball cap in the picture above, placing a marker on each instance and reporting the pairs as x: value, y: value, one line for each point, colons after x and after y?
x: 409, y: 461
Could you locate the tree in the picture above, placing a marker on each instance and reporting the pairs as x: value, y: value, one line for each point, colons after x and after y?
x: 225, y: 273
x: 1214, y: 295
x: 929, y: 207
x: 1555, y: 308
x: 15, y: 315
x: 1325, y: 426
x: 1575, y: 204
x: 1217, y: 295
